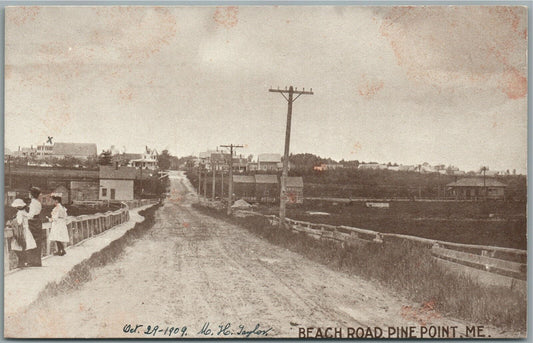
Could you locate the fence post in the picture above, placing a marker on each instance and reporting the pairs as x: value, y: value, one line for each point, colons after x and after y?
x: 48, y: 243
x: 70, y: 233
x: 6, y: 254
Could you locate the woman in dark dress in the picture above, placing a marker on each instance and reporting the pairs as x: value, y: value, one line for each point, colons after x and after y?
x: 36, y: 228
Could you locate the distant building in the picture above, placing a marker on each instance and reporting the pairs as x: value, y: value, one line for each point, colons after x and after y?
x: 477, y: 188
x: 266, y: 188
x: 77, y: 150
x: 116, y: 183
x: 372, y: 166
x: 125, y: 158
x: 244, y: 187
x: 147, y: 161
x: 252, y: 166
x: 295, y: 189
x: 269, y: 162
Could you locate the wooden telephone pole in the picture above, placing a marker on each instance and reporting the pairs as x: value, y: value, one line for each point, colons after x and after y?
x: 230, y: 191
x: 283, y: 194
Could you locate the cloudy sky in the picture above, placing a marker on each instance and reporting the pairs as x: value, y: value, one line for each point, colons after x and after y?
x: 401, y: 84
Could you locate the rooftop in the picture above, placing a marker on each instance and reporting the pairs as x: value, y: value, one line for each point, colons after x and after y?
x: 266, y: 179
x: 122, y: 173
x: 269, y: 158
x: 75, y: 149
x: 476, y: 182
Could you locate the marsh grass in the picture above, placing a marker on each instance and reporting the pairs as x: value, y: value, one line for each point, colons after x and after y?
x: 404, y: 267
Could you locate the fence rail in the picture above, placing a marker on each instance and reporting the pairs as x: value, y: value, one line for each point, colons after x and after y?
x: 497, y: 260
x: 79, y: 228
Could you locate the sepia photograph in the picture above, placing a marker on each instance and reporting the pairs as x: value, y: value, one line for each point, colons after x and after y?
x: 266, y: 171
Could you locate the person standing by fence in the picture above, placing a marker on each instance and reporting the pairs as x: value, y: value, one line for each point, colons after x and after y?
x: 22, y: 237
x: 36, y: 228
x: 59, y: 231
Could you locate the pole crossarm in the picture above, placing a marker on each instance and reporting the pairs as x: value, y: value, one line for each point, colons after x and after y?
x: 291, y: 91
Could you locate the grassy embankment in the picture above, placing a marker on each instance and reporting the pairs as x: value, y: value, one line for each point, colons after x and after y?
x: 405, y: 268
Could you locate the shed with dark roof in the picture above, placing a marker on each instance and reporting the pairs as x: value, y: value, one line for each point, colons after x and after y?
x: 266, y: 188
x: 295, y: 189
x: 477, y: 188
x: 244, y: 187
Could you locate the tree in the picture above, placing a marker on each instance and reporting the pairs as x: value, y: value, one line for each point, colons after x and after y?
x: 163, y: 160
x: 104, y: 159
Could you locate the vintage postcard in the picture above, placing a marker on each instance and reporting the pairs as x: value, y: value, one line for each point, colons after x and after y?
x: 265, y: 172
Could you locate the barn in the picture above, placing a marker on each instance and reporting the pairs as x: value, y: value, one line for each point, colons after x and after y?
x: 244, y: 187
x: 266, y: 188
x: 477, y: 188
x: 295, y: 189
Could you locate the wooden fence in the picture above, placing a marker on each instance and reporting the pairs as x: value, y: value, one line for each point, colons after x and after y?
x: 79, y: 228
x: 501, y: 261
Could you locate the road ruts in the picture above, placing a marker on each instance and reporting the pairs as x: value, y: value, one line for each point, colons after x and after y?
x: 191, y: 269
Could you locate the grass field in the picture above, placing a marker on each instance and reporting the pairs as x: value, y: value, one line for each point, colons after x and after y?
x: 495, y: 223
x: 405, y: 268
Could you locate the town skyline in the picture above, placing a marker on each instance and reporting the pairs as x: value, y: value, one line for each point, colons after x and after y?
x: 189, y: 79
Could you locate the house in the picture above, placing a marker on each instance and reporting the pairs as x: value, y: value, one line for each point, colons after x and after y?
x: 477, y: 188
x: 125, y: 158
x: 294, y: 186
x: 25, y: 152
x: 266, y: 188
x: 239, y: 164
x: 244, y: 187
x: 251, y: 166
x: 77, y: 150
x: 372, y: 166
x: 116, y: 183
x: 148, y: 160
x: 269, y: 162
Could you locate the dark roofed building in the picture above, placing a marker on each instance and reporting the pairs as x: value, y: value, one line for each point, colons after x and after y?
x: 244, y: 187
x: 77, y: 150
x: 266, y: 188
x: 477, y: 188
x: 295, y: 189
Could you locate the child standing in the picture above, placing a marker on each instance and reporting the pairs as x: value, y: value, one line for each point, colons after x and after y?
x: 22, y: 237
x: 59, y: 231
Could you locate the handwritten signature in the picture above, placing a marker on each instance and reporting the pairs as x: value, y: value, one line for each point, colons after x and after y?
x: 208, y: 330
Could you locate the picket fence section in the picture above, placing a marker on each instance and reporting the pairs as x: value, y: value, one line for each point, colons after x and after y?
x: 497, y: 260
x: 80, y: 227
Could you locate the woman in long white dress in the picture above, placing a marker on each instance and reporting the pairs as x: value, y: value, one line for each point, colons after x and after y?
x: 22, y: 237
x: 59, y: 231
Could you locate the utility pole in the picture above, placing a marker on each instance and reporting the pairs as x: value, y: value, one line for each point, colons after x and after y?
x: 230, y: 190
x: 222, y: 183
x: 484, y: 170
x: 199, y: 179
x: 205, y: 184
x: 213, y: 186
x: 283, y: 194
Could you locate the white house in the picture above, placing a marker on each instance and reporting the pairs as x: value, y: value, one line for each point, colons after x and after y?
x: 116, y: 183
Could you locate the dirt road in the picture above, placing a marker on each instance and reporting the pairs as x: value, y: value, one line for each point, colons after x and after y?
x: 191, y: 269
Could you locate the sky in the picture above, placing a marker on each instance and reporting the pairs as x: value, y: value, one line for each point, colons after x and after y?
x: 443, y: 85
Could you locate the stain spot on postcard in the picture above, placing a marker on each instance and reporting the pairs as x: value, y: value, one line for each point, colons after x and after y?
x: 437, y: 49
x: 369, y: 87
x: 226, y: 17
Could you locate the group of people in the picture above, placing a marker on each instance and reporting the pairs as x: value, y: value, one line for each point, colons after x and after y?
x: 28, y: 229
